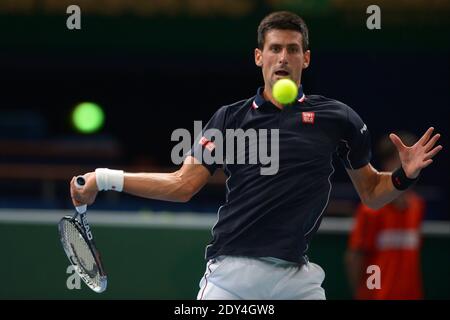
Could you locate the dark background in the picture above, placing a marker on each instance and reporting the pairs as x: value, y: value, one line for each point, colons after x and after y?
x: 155, y: 66
x: 158, y: 65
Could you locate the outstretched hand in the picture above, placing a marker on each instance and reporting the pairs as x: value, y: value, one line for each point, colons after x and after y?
x: 418, y: 156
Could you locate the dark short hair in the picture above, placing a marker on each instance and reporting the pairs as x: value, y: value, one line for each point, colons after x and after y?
x: 386, y: 150
x: 283, y: 20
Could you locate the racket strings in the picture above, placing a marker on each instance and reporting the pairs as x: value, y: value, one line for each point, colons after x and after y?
x: 81, y: 252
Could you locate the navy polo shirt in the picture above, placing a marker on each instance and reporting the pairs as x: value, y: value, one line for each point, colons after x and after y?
x: 277, y: 215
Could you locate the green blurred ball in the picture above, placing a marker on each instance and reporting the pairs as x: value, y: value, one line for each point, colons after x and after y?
x: 88, y: 117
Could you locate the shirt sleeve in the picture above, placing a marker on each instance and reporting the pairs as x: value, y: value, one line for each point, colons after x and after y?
x: 354, y: 148
x: 208, y: 146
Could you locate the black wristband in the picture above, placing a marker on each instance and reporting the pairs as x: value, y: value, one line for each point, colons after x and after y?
x: 401, y: 181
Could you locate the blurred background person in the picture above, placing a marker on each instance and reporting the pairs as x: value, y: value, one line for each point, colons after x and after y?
x: 388, y: 238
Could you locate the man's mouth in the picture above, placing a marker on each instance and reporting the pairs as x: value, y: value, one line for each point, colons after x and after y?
x: 281, y: 73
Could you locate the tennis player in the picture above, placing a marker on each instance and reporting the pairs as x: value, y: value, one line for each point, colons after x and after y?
x: 261, y: 238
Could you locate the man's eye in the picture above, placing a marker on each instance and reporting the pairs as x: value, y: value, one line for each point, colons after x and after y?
x: 294, y: 50
x: 275, y: 49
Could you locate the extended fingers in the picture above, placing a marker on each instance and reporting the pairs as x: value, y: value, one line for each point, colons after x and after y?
x: 424, y: 139
x: 432, y: 142
x: 427, y: 163
x: 397, y: 141
x: 433, y: 152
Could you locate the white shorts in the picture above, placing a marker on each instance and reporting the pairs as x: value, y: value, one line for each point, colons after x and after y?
x: 245, y: 278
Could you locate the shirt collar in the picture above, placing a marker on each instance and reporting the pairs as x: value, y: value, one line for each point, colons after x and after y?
x: 260, y: 101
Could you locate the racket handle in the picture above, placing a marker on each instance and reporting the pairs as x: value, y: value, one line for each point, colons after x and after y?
x: 81, y: 209
x: 79, y: 183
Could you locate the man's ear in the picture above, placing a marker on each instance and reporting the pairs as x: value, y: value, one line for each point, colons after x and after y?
x: 306, y: 59
x: 258, y: 57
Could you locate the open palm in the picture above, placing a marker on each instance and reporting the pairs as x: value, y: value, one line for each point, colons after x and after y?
x: 418, y: 156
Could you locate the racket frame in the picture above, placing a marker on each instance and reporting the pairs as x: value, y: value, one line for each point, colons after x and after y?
x: 84, y: 230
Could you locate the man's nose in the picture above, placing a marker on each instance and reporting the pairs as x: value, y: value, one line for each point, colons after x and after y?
x: 283, y: 56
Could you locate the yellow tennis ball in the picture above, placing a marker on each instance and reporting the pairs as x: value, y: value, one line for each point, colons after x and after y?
x: 285, y: 91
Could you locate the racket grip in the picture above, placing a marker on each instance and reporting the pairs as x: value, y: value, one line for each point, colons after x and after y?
x: 79, y: 183
x: 81, y: 209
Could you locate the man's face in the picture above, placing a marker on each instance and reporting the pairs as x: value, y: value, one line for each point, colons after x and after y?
x: 282, y: 56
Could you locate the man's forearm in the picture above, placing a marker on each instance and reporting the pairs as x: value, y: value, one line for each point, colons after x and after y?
x: 383, y: 192
x: 374, y: 188
x: 178, y: 186
x: 159, y: 186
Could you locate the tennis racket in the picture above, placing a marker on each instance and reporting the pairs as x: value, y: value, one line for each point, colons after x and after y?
x: 78, y: 243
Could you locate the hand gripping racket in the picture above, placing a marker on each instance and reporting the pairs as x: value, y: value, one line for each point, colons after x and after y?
x: 78, y: 243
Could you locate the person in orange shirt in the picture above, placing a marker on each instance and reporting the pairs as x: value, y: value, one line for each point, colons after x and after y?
x: 389, y: 239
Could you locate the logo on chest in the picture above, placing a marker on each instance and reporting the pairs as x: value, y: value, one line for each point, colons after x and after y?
x: 308, y: 117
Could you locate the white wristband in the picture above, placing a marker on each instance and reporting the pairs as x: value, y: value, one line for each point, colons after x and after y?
x: 108, y: 179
